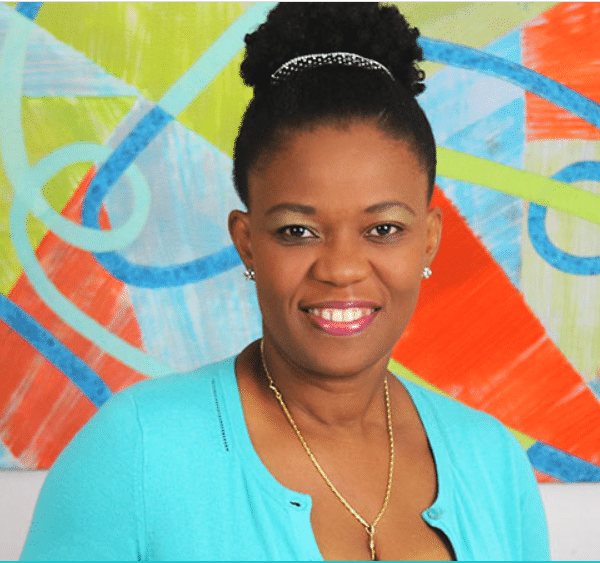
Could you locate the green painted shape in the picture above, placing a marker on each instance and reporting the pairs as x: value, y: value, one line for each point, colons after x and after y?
x: 149, y: 45
x: 474, y: 24
x: 526, y: 185
x: 216, y: 113
x: 566, y: 304
x: 49, y: 123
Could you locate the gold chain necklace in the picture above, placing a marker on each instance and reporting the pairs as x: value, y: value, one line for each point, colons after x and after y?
x: 370, y: 528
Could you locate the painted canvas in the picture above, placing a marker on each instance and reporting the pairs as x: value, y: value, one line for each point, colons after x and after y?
x: 117, y: 123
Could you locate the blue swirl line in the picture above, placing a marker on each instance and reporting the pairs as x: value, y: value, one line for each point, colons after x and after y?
x: 138, y: 139
x: 133, y: 274
x: 536, y: 223
x: 225, y: 259
x: 29, y: 9
x: 55, y: 352
x: 175, y: 100
x: 444, y: 52
x: 561, y: 465
x: 560, y: 95
x: 170, y: 276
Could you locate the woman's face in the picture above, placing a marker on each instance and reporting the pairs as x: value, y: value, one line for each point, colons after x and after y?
x: 338, y: 234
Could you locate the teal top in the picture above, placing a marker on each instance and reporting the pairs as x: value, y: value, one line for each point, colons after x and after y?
x: 166, y: 470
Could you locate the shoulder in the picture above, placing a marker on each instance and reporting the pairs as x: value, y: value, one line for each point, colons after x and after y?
x: 453, y: 416
x: 178, y: 390
x: 473, y: 440
x: 181, y: 406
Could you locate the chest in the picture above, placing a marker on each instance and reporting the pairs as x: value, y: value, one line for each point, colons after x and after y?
x: 350, y: 486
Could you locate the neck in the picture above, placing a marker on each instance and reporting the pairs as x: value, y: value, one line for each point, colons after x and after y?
x: 347, y: 403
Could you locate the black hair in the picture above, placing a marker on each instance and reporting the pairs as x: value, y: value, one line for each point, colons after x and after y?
x: 331, y: 94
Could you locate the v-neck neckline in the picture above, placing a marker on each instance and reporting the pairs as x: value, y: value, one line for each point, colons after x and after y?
x: 300, y: 501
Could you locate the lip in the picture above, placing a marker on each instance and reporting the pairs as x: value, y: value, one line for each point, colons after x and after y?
x: 341, y: 328
x: 340, y: 305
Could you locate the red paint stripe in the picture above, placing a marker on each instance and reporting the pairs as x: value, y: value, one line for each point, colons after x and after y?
x: 474, y: 337
x: 563, y: 44
x: 40, y: 409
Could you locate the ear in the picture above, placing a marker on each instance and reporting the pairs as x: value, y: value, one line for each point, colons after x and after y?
x: 239, y: 230
x: 434, y: 233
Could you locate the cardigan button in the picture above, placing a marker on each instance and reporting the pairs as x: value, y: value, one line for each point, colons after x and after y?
x: 434, y: 513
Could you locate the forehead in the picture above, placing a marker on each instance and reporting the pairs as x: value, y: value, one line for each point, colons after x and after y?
x: 344, y: 168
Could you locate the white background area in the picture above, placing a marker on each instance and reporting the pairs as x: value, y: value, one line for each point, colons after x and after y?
x: 573, y: 512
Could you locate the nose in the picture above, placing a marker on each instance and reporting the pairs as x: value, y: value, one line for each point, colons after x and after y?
x: 341, y: 263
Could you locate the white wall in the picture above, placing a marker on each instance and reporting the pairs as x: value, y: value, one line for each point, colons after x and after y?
x: 573, y: 516
x: 18, y: 492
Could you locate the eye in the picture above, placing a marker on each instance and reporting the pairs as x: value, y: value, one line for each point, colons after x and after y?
x: 295, y: 232
x: 385, y: 230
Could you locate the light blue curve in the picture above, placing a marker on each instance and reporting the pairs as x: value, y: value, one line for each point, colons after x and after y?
x: 12, y: 64
x: 23, y: 178
x: 67, y: 311
x: 16, y: 165
x: 213, y: 60
x: 183, y: 92
x: 28, y: 190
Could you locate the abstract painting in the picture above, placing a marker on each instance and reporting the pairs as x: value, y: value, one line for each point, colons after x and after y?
x: 117, y: 123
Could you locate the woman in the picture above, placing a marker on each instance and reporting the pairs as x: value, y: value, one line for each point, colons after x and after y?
x: 305, y: 446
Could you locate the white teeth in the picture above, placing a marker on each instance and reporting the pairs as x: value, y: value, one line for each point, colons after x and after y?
x: 351, y: 315
x: 341, y: 315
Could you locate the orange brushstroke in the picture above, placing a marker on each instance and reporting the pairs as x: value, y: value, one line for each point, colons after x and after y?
x: 474, y: 337
x: 40, y: 408
x: 543, y: 478
x: 563, y: 44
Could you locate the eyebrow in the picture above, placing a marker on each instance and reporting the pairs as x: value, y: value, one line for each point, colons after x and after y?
x: 309, y: 210
x: 296, y: 207
x: 386, y: 205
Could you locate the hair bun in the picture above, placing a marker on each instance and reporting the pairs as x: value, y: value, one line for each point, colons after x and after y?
x: 365, y: 28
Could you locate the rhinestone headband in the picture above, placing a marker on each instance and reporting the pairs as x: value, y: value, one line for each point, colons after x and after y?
x: 316, y: 60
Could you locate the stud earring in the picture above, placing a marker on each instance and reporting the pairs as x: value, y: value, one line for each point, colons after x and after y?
x: 426, y: 273
x: 249, y: 274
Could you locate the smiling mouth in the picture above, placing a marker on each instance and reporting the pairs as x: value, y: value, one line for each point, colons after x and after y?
x: 345, y: 321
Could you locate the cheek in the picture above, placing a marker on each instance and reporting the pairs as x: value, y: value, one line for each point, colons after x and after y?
x: 403, y: 265
x: 400, y: 272
x: 279, y: 273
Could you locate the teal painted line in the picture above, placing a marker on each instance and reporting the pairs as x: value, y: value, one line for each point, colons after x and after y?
x: 67, y: 311
x: 213, y: 60
x: 28, y: 182
x: 29, y: 190
x: 14, y: 155
x: 12, y: 64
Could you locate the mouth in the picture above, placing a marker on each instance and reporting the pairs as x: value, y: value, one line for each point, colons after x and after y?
x: 342, y: 319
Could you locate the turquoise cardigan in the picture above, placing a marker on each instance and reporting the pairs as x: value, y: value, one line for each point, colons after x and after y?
x: 166, y: 470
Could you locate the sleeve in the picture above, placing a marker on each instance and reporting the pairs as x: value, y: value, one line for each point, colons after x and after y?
x: 535, y: 541
x: 91, y: 504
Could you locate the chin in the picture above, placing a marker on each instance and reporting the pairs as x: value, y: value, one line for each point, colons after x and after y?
x: 344, y: 356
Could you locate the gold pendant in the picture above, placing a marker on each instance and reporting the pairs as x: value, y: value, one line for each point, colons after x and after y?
x: 371, y: 532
